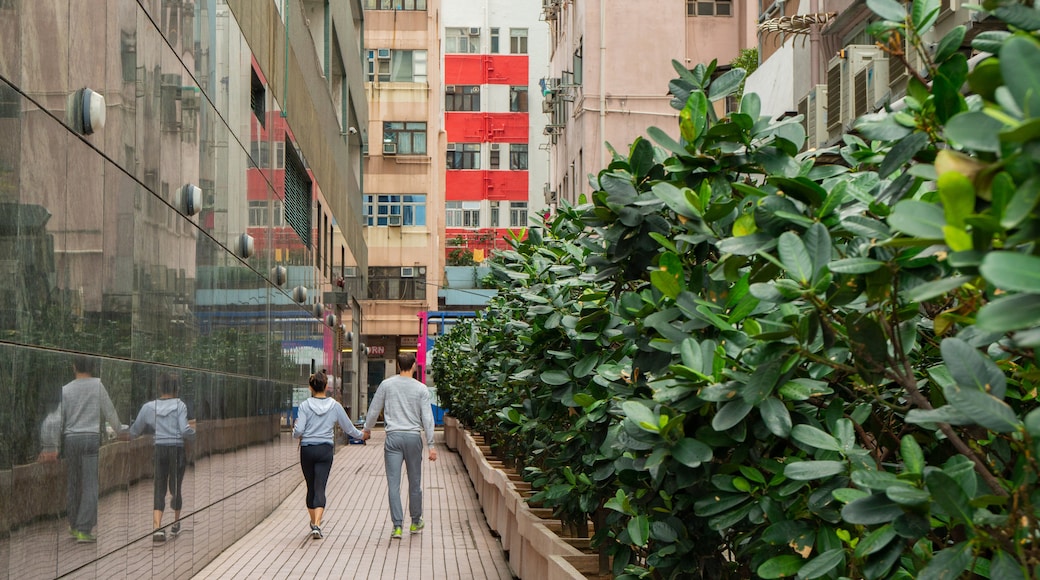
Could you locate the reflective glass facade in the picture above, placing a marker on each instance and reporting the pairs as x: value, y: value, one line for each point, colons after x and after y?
x: 122, y: 249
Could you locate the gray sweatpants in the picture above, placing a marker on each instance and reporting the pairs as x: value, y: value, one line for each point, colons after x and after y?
x: 81, y: 461
x: 403, y: 447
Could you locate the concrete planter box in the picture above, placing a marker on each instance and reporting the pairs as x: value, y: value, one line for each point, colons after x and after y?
x: 451, y: 432
x: 536, y: 551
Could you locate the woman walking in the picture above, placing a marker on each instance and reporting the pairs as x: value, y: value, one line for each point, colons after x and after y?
x: 317, y: 417
x: 167, y: 417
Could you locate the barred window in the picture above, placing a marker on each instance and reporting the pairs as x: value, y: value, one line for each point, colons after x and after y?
x: 709, y: 7
x: 395, y: 4
x: 462, y: 214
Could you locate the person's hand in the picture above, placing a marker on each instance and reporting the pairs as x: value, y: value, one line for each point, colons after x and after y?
x: 433, y: 454
x: 123, y: 436
x: 48, y: 457
x: 191, y: 423
x: 366, y: 435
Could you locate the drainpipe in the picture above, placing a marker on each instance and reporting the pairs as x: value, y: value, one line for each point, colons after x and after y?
x: 814, y: 47
x: 285, y: 86
x: 602, y: 81
x: 328, y: 28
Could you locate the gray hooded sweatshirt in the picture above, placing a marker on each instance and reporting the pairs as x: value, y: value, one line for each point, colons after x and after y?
x: 316, y: 419
x: 167, y: 418
x: 84, y: 403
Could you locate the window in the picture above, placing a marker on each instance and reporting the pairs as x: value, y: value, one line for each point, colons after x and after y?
x: 494, y: 214
x: 462, y: 98
x: 462, y: 214
x: 518, y: 214
x: 256, y: 98
x: 518, y: 156
x: 709, y: 7
x: 411, y: 208
x: 494, y: 41
x: 576, y: 64
x: 410, y: 138
x: 396, y: 66
x: 297, y: 195
x: 518, y: 41
x: 463, y: 156
x: 460, y: 40
x: 395, y: 4
x: 260, y: 211
x: 260, y: 154
x: 495, y: 158
x: 518, y: 99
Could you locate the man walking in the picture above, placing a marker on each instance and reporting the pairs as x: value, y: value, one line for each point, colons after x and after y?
x: 405, y: 403
x: 76, y: 428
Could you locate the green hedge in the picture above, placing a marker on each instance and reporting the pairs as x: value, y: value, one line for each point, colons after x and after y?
x: 746, y: 361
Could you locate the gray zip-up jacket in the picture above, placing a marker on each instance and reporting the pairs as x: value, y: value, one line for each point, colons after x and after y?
x: 167, y: 418
x: 83, y: 403
x: 316, y: 419
x: 405, y: 404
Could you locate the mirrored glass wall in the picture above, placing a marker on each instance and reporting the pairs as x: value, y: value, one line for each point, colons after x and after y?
x: 128, y: 291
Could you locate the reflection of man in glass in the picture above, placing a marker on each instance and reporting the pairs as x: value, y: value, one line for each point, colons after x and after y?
x: 76, y: 429
x: 167, y: 417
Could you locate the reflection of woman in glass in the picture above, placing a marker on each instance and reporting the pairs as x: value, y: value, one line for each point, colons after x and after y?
x: 318, y: 415
x: 167, y: 417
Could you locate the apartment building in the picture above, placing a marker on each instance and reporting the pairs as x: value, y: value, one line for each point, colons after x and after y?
x: 818, y: 60
x: 403, y: 177
x: 495, y: 54
x: 610, y: 63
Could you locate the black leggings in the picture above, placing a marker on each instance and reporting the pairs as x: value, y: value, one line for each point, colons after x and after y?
x: 316, y: 461
x: 170, y: 463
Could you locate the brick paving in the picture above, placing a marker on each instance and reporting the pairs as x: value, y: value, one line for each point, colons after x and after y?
x: 456, y: 544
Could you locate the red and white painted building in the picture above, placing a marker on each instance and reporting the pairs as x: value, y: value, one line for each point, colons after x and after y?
x: 495, y: 52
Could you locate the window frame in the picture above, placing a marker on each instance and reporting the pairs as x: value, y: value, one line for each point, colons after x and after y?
x: 519, y: 99
x: 380, y: 206
x: 393, y: 134
x: 462, y: 156
x: 455, y: 36
x: 462, y: 98
x: 518, y: 157
x: 518, y: 214
x: 518, y: 40
x: 710, y: 8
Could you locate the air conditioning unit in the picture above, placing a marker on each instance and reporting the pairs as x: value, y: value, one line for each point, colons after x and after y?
x: 350, y: 272
x: 814, y: 107
x: 449, y: 89
x: 393, y: 220
x: 452, y: 146
x: 408, y: 271
x: 383, y: 53
x: 871, y: 86
x: 474, y: 31
x: 496, y: 146
x: 548, y: 103
x: 389, y: 148
x: 841, y: 88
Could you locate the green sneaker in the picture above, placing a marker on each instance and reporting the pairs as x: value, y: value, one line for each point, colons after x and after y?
x: 418, y: 527
x: 396, y: 534
x: 84, y: 537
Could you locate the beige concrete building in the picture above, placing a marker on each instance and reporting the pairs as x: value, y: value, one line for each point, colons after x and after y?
x: 611, y: 61
x: 817, y: 60
x: 403, y: 177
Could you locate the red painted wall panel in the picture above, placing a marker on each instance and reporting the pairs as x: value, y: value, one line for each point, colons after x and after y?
x: 474, y: 185
x: 464, y: 185
x: 511, y: 185
x: 480, y: 69
x: 487, y: 127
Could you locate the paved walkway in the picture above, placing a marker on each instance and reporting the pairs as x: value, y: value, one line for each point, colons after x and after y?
x: 456, y: 543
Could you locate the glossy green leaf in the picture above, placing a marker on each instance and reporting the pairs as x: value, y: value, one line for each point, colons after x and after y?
x: 1010, y: 313
x: 948, y: 564
x: 555, y: 377
x: 641, y: 415
x: 906, y: 495
x: 888, y: 9
x: 1019, y: 16
x: 901, y: 153
x: 1021, y: 203
x: 949, y: 496
x: 815, y: 438
x: 918, y: 219
x: 871, y: 510
x: 1032, y: 423
x: 1012, y: 271
x: 665, y: 140
x: 795, y: 258
x: 694, y: 116
x: 936, y: 288
x: 730, y: 414
x: 923, y: 15
x: 970, y: 369
x: 875, y: 540
x: 958, y: 197
x: 1018, y: 58
x: 975, y: 130
x: 983, y: 409
x: 784, y: 566
x: 822, y: 564
x: 776, y: 416
x: 675, y: 199
x: 639, y: 530
x: 726, y: 83
x: 691, y: 452
x: 809, y: 470
x: 913, y: 456
x: 1004, y: 567
x: 950, y: 43
x: 855, y: 265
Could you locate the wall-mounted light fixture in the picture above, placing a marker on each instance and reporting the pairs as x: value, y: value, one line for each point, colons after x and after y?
x: 330, y: 320
x: 86, y: 111
x: 188, y: 199
x: 279, y: 275
x: 348, y: 336
x: 244, y: 246
x: 299, y: 294
x: 318, y: 309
